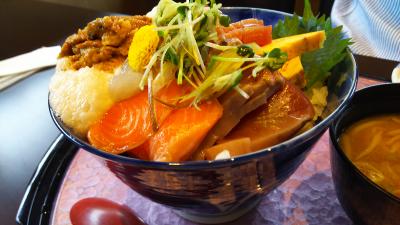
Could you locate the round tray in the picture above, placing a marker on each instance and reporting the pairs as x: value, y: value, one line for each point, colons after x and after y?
x: 307, y: 197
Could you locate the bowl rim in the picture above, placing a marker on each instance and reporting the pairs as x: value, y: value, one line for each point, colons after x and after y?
x: 207, y: 164
x: 334, y: 137
x: 256, y: 9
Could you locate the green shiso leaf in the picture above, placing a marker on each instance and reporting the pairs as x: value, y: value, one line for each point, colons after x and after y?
x: 318, y: 63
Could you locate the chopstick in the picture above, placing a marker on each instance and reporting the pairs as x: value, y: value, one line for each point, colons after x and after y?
x: 21, y: 66
x: 7, y: 81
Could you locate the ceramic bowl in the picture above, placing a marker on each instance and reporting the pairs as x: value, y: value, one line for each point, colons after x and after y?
x: 220, y: 191
x: 363, y: 201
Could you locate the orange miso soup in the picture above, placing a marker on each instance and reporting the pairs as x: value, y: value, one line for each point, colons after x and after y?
x: 373, y: 145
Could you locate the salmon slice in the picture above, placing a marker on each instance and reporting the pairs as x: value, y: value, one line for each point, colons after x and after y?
x: 141, y: 152
x: 247, y: 31
x: 283, y: 116
x: 182, y: 132
x: 247, y: 23
x: 262, y: 35
x: 128, y: 123
x: 240, y: 24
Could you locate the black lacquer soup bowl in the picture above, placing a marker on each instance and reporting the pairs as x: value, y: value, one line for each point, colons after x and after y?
x: 364, y: 201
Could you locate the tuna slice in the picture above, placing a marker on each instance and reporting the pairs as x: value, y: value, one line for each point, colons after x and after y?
x: 282, y: 117
x: 235, y: 106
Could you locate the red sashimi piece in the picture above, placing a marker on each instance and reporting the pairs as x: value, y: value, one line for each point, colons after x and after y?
x: 247, y: 22
x: 182, y: 132
x: 128, y: 124
x: 236, y: 33
x: 124, y: 126
x: 262, y: 35
x: 141, y: 152
x: 280, y: 119
x: 170, y: 95
x: 240, y: 24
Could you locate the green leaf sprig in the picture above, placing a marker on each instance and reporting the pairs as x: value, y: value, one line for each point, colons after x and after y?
x: 317, y: 63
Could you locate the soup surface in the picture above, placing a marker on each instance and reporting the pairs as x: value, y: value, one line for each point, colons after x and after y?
x: 373, y: 145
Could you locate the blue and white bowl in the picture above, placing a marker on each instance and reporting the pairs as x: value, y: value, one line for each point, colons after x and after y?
x: 222, y: 190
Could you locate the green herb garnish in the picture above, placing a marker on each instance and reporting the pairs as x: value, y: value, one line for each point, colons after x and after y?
x: 245, y: 51
x: 225, y: 20
x: 226, y: 71
x: 185, y: 28
x: 318, y: 63
x: 275, y: 59
x: 171, y: 56
x: 182, y: 10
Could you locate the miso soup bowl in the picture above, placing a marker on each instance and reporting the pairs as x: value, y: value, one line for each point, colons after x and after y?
x: 364, y: 201
x: 222, y: 190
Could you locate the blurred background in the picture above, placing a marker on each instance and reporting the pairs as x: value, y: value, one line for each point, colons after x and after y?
x: 140, y: 6
x: 49, y: 22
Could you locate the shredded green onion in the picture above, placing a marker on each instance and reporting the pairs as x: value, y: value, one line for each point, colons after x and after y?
x: 241, y: 92
x: 219, y: 47
x: 188, y: 32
